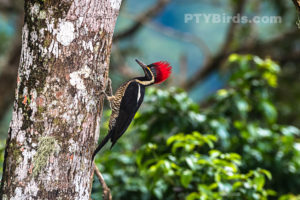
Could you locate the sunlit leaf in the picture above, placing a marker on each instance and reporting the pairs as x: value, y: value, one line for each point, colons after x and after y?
x: 186, y: 177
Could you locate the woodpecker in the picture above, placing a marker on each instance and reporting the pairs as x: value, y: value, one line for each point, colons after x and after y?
x: 129, y: 97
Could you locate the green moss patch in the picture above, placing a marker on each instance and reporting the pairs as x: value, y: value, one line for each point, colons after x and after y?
x: 47, y: 146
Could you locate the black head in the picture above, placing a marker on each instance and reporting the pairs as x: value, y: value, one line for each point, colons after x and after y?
x: 147, y: 70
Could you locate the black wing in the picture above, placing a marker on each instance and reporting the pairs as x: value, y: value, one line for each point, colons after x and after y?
x: 130, y: 103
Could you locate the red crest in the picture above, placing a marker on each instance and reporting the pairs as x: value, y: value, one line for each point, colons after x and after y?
x: 163, y: 71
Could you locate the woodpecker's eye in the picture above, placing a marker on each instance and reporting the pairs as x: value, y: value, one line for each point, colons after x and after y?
x: 153, y: 70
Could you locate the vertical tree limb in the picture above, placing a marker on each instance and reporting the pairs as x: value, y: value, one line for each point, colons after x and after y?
x: 106, y: 191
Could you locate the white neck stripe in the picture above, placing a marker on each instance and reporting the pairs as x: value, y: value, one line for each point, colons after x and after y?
x: 139, y: 93
x: 147, y: 82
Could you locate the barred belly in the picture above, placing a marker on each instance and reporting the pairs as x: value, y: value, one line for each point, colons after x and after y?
x: 116, y: 102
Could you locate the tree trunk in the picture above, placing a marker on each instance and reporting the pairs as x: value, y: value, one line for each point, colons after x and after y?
x: 56, y: 119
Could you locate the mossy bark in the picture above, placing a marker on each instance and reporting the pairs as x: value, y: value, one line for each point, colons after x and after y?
x: 56, y: 118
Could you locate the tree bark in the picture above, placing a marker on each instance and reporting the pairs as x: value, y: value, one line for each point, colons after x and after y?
x: 56, y: 119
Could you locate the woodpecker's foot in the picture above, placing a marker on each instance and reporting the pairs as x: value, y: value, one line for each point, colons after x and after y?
x: 109, y: 91
x: 109, y: 98
x: 102, y: 92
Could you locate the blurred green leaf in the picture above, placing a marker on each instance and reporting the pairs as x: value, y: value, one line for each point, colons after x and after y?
x: 186, y: 178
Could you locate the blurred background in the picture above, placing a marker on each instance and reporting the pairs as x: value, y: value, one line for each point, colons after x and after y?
x: 224, y: 126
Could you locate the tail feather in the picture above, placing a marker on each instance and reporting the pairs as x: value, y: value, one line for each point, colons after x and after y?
x: 103, y: 142
x: 112, y: 144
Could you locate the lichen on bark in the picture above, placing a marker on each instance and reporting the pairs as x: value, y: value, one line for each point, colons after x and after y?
x: 56, y: 118
x: 47, y: 146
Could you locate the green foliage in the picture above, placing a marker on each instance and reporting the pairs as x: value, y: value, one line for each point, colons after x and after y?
x: 248, y: 119
x: 289, y: 197
x: 165, y: 113
x: 186, y: 173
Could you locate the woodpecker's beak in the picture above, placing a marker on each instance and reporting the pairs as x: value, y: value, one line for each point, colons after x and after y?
x: 141, y: 64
